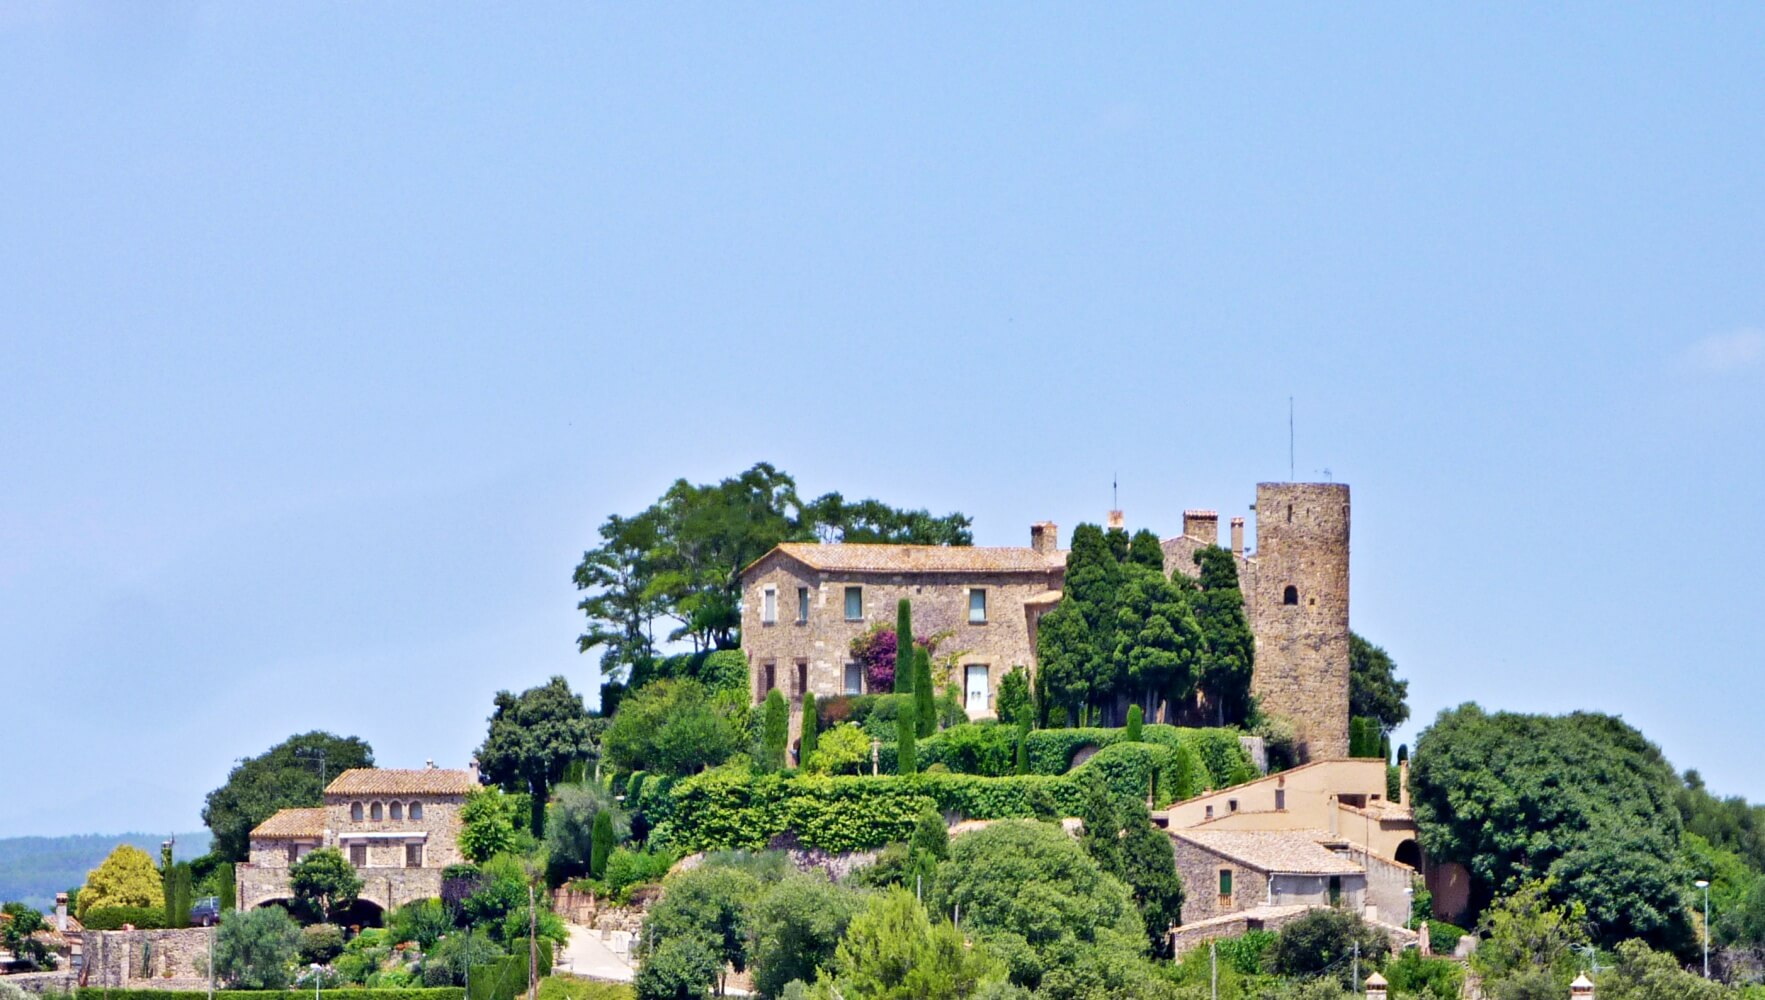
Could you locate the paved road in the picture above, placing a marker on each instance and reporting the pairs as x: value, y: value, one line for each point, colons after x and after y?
x: 586, y: 955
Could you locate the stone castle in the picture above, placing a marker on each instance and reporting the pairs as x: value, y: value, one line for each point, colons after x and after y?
x: 804, y: 603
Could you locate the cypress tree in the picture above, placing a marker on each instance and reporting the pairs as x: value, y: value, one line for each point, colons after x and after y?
x: 1403, y: 753
x: 1145, y: 550
x: 601, y: 843
x: 1231, y: 650
x: 811, y: 726
x: 229, y: 898
x: 925, y: 709
x: 775, y: 732
x: 906, y: 759
x: 1135, y: 718
x: 1023, y: 746
x: 903, y: 647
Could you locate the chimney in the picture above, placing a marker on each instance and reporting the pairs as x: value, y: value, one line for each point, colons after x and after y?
x: 472, y: 771
x: 61, y: 912
x: 1403, y: 783
x: 1045, y: 537
x: 429, y: 764
x: 1237, y: 536
x: 1116, y: 520
x: 1581, y: 988
x: 1202, y: 525
x: 1376, y: 987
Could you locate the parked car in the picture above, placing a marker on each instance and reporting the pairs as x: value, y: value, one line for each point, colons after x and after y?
x: 206, y: 912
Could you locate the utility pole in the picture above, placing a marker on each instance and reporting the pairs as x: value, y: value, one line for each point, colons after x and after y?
x: 1213, y: 968
x: 1357, y: 967
x: 211, y: 933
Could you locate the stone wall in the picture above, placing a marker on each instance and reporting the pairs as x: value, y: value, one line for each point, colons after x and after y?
x: 1200, y: 870
x: 165, y: 959
x: 385, y: 887
x: 440, y: 823
x: 822, y: 644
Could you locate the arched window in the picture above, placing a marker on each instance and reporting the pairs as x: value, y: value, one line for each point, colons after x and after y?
x: 1290, y: 595
x: 374, y: 814
x: 355, y: 811
x: 416, y: 810
x: 396, y: 812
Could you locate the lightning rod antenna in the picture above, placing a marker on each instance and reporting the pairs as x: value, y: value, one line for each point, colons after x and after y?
x: 1289, y: 438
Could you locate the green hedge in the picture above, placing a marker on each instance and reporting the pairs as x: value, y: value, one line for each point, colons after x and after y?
x: 505, y: 978
x: 112, y: 918
x: 347, y: 993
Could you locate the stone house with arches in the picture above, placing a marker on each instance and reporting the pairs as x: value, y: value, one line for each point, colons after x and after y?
x: 399, y: 829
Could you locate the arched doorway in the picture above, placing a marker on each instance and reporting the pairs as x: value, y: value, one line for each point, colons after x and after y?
x: 1410, y: 853
x: 362, y: 913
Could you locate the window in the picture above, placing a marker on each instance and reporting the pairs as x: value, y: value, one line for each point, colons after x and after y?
x: 1232, y: 805
x: 802, y: 678
x: 293, y: 853
x: 854, y: 604
x: 768, y: 606
x: 1280, y: 798
x: 802, y: 605
x: 374, y: 813
x: 395, y: 812
x: 1335, y: 890
x: 1226, y: 882
x: 358, y: 855
x: 769, y: 673
x: 416, y: 810
x: 1209, y: 812
x: 854, y: 679
x: 413, y: 855
x: 977, y: 606
x: 355, y: 812
x: 1290, y: 595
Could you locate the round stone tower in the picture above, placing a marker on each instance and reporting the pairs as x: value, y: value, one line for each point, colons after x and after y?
x: 1299, y: 610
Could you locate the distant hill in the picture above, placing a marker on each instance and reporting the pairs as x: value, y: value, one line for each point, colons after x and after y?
x: 34, y: 869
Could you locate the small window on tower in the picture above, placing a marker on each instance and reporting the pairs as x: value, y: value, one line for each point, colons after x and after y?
x: 1290, y: 595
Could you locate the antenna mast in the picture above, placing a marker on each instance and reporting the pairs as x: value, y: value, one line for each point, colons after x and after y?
x: 1289, y: 438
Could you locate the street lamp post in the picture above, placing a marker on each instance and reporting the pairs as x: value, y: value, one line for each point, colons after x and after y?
x: 1704, y: 884
x: 1409, y: 895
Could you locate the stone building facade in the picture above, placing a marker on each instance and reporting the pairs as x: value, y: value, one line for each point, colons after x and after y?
x: 1295, y: 586
x: 399, y: 828
x: 803, y: 604
x: 1228, y: 871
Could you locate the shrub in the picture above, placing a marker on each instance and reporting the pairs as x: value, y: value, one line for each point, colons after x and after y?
x: 320, y: 943
x: 112, y: 918
x: 506, y: 978
x: 1136, y: 719
x: 1411, y: 975
x: 604, y: 841
x: 253, y: 948
x: 565, y: 987
x: 421, y: 920
x: 975, y: 748
x: 1015, y: 705
x: 843, y: 750
x: 127, y: 877
x: 101, y: 993
x: 626, y: 868
x: 775, y: 732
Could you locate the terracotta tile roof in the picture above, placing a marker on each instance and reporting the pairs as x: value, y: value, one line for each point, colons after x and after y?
x: 1295, y: 852
x: 291, y: 824
x: 856, y: 558
x: 391, y: 781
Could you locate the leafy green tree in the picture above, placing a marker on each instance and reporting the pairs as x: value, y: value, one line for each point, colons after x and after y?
x: 1319, y: 944
x: 711, y: 904
x: 925, y: 710
x: 1015, y: 705
x: 905, y: 674
x: 1581, y: 799
x: 573, y: 830
x: 325, y: 884
x: 126, y: 877
x: 775, y: 732
x: 533, y: 737
x: 906, y: 732
x: 1157, y: 643
x: 873, y: 522
x: 1066, y: 660
x: 622, y: 606
x: 1149, y: 868
x: 423, y: 921
x: 1643, y: 974
x: 1145, y: 551
x: 797, y: 926
x: 680, y: 968
x: 1530, y: 940
x: 1135, y: 721
x: 1374, y: 690
x: 844, y: 750
x: 254, y: 949
x: 811, y: 727
x: 604, y: 842
x: 18, y: 923
x: 286, y: 776
x: 1038, y: 900
x: 1094, y: 583
x: 489, y: 821
x: 1729, y: 823
x: 673, y: 727
x: 893, y: 951
x: 1231, y: 649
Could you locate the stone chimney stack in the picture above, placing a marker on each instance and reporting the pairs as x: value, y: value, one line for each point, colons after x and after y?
x: 61, y: 912
x: 1376, y: 987
x: 1202, y: 525
x: 1237, y: 536
x: 1581, y: 988
x: 472, y: 769
x: 1403, y: 783
x: 1045, y: 537
x: 1116, y: 520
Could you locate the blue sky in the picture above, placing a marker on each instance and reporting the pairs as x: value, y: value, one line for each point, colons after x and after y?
x: 332, y: 331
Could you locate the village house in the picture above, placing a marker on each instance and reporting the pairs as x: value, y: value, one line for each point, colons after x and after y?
x: 399, y: 828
